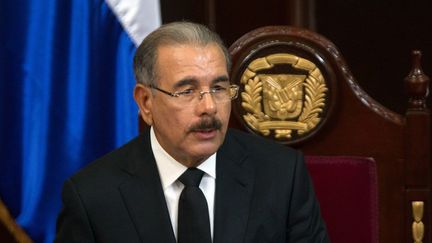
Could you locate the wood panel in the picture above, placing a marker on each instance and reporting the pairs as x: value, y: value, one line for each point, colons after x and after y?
x: 376, y: 37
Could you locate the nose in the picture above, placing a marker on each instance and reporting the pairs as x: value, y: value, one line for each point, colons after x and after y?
x: 206, y: 104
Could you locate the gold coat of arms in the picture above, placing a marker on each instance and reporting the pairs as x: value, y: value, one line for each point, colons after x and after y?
x: 283, y: 103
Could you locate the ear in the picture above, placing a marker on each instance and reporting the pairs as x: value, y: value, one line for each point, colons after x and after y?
x: 143, y: 98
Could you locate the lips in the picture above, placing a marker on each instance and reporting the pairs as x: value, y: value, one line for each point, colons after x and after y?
x: 205, y: 134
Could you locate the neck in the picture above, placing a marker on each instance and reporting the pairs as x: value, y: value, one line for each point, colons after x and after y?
x: 191, y: 162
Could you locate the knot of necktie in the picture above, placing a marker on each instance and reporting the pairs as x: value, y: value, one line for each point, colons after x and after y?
x: 191, y: 177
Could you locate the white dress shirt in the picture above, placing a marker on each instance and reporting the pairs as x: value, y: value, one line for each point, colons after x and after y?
x: 170, y: 170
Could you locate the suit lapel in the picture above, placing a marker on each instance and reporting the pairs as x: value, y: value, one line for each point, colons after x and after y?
x: 234, y: 181
x: 143, y: 195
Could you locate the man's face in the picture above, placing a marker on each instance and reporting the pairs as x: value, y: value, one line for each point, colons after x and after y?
x: 189, y: 133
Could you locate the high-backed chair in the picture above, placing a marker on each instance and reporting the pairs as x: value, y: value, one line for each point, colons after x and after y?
x: 296, y: 88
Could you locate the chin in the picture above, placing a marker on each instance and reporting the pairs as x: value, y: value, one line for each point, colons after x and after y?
x: 205, y: 151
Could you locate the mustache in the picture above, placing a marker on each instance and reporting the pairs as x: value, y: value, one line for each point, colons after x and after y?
x: 205, y: 124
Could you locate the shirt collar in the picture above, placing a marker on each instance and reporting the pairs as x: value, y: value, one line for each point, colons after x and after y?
x: 169, y: 169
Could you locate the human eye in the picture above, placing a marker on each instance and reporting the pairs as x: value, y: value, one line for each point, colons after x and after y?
x: 186, y: 92
x: 219, y: 88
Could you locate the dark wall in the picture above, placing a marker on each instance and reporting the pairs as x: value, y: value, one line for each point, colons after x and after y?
x: 375, y: 37
x: 231, y: 19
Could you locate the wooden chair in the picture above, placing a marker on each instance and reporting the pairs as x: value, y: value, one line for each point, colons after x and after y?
x: 10, y: 231
x: 296, y: 88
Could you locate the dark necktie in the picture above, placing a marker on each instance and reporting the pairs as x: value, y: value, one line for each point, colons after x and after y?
x: 193, y: 217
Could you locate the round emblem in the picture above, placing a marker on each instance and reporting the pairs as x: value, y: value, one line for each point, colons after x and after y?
x: 283, y: 103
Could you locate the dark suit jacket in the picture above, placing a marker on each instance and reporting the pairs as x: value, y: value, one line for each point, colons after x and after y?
x: 263, y: 194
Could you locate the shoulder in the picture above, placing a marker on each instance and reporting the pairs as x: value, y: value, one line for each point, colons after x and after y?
x: 263, y: 152
x: 111, y: 166
x: 258, y: 145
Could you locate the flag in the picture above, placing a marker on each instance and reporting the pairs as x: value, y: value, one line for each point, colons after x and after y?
x: 66, y: 82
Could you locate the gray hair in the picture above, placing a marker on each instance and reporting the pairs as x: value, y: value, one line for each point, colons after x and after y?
x: 172, y: 34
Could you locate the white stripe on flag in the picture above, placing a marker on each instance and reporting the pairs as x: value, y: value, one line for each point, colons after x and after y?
x: 138, y: 17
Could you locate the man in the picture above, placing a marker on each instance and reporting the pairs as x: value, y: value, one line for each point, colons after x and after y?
x: 251, y: 189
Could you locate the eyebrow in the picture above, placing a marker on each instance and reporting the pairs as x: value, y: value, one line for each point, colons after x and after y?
x: 186, y: 81
x: 195, y: 82
x: 223, y: 78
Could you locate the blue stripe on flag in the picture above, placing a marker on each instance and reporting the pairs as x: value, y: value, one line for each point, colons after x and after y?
x: 66, y: 84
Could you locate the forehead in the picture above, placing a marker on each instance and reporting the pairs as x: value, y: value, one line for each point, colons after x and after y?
x: 200, y: 62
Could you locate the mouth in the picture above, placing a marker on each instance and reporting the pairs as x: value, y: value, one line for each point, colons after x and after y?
x: 206, y: 134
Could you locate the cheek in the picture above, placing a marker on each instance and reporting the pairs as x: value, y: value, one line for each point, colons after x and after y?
x: 225, y: 113
x: 176, y: 122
